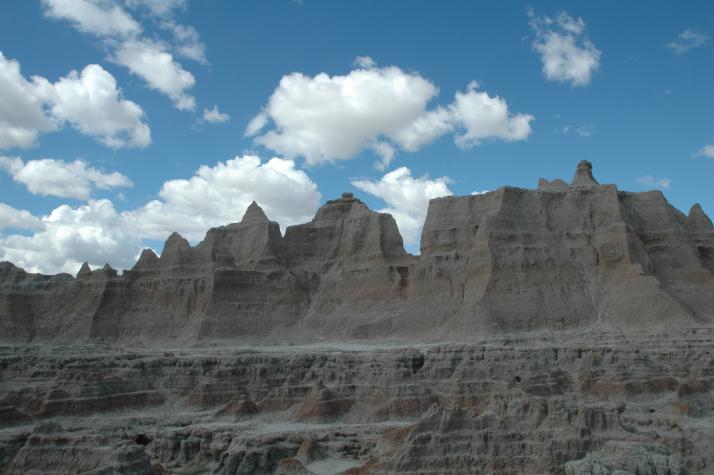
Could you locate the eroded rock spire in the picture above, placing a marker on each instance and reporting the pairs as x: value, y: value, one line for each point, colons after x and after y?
x: 85, y: 270
x: 254, y: 213
x: 584, y: 175
x: 698, y: 220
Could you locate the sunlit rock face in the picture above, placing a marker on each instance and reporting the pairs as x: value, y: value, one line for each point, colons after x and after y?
x: 557, y: 257
x: 564, y: 257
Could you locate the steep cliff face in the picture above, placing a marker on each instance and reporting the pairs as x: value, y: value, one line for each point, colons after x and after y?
x: 512, y: 260
x: 21, y: 297
x: 564, y: 256
x: 702, y: 233
x: 335, y: 275
x: 44, y: 308
x: 353, y: 264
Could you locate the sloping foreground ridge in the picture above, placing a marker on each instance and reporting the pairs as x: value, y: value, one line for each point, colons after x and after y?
x: 512, y: 260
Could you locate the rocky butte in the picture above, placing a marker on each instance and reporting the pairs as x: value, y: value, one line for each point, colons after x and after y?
x: 566, y: 330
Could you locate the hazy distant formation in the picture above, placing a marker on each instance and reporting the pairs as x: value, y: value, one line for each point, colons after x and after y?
x: 511, y: 260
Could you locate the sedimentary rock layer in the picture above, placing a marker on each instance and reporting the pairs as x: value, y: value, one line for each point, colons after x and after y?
x: 578, y: 402
x: 512, y: 260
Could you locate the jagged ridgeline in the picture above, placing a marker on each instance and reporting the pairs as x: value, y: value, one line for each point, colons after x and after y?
x: 558, y: 257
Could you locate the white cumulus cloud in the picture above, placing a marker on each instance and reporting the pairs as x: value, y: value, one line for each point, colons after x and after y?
x: 159, y: 8
x: 12, y: 218
x: 567, y: 53
x: 579, y: 130
x: 687, y: 40
x: 122, y: 35
x: 149, y: 60
x: 424, y: 129
x: 94, y: 232
x: 92, y: 103
x: 97, y: 18
x: 89, y: 101
x: 386, y: 153
x: 484, y: 117
x: 706, y: 151
x: 188, y: 43
x: 365, y: 62
x: 407, y: 198
x: 58, y: 178
x: 651, y: 182
x: 328, y: 118
x: 22, y: 115
x: 215, y: 116
x: 186, y: 40
x: 216, y: 195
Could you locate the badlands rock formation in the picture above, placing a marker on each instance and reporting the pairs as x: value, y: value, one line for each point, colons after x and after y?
x: 571, y: 403
x: 563, y: 330
x: 512, y: 260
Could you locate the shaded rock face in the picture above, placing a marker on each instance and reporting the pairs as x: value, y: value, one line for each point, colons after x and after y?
x: 243, y: 281
x: 558, y: 257
x: 353, y: 264
x: 578, y: 402
x: 49, y: 449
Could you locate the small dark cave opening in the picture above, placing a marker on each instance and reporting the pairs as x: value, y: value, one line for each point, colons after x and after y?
x: 417, y: 363
x: 142, y: 439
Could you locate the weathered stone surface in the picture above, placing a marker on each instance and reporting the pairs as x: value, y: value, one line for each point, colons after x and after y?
x: 617, y: 458
x: 49, y: 449
x: 571, y: 402
x: 562, y: 330
x: 522, y: 260
x: 554, y: 185
x: 559, y: 257
x: 584, y: 175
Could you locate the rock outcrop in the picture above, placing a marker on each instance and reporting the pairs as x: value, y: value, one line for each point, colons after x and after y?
x: 563, y: 257
x: 577, y: 402
x: 558, y: 257
x: 564, y: 330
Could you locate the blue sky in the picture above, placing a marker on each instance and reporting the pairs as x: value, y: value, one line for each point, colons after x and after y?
x: 447, y: 97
